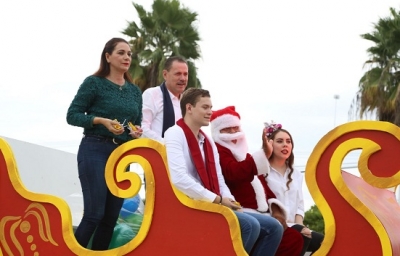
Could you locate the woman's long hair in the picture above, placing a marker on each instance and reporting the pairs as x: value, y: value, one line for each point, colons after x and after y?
x: 290, y: 160
x: 104, y: 69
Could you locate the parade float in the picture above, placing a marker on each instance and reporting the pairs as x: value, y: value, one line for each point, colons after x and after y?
x: 361, y: 214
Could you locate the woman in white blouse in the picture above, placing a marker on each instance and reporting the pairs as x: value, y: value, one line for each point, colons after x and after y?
x: 286, y: 183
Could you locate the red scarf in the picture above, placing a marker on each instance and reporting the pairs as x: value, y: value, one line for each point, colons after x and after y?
x: 207, y: 172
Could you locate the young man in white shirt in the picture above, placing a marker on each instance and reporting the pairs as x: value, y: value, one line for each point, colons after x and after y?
x: 194, y: 169
x: 161, y: 107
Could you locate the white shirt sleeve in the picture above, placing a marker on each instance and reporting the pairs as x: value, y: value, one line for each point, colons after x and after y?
x: 292, y: 198
x: 181, y: 168
x: 300, y: 200
x: 153, y: 112
x: 152, y: 120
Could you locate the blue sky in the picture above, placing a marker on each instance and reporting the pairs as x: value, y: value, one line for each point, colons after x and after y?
x: 273, y: 60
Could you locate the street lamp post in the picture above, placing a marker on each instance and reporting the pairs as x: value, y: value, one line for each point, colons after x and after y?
x: 336, y: 97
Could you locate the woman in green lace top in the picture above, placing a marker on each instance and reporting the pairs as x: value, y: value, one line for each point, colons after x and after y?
x: 103, y: 106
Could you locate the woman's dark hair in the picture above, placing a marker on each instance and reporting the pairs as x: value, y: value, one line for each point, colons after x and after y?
x: 290, y: 160
x: 104, y: 69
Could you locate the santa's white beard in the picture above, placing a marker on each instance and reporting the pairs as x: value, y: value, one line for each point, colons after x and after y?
x: 238, y: 149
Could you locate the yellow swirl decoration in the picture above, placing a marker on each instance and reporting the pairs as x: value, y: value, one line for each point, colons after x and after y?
x: 24, y: 226
x: 46, y: 237
x: 14, y: 239
x: 119, y: 160
x: 318, y: 164
x: 3, y: 223
x: 367, y: 175
x: 368, y: 148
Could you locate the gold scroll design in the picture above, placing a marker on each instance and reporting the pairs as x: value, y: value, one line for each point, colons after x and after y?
x: 117, y: 163
x: 36, y: 210
x: 368, y: 147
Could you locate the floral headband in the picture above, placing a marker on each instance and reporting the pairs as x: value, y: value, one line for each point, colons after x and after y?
x: 271, y: 127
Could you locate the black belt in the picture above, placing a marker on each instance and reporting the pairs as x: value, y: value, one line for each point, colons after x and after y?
x: 106, y: 139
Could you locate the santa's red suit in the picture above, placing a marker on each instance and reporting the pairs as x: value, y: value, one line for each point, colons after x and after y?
x: 244, y: 175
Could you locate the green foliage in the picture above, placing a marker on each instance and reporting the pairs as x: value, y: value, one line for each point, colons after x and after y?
x: 169, y: 30
x: 378, y: 87
x: 314, y: 220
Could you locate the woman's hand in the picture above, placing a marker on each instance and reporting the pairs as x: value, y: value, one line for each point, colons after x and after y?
x: 267, y: 144
x: 116, y: 127
x: 135, y: 131
x: 306, y: 232
x: 112, y: 125
x: 228, y: 202
x: 281, y: 219
x: 277, y: 213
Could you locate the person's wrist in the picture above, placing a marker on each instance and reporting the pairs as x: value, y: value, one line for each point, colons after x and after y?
x: 265, y: 149
x: 218, y: 199
x: 266, y: 153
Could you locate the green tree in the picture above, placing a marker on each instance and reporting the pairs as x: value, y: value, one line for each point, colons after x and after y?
x: 169, y: 30
x: 314, y: 220
x: 378, y: 87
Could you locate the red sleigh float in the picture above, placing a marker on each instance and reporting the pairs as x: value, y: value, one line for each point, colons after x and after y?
x: 361, y: 216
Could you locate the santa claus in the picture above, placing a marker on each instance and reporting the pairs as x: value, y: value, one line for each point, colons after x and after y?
x: 244, y: 174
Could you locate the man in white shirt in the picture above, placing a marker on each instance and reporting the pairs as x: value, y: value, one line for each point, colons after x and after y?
x: 194, y: 169
x: 161, y: 107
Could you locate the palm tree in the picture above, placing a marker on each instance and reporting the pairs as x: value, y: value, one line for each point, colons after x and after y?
x: 167, y: 31
x: 378, y: 87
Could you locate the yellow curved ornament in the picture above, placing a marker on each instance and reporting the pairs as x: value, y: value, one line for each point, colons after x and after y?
x: 46, y: 220
x: 118, y: 159
x: 368, y: 148
x: 121, y: 162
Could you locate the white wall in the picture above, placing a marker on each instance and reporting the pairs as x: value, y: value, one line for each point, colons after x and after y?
x: 49, y: 171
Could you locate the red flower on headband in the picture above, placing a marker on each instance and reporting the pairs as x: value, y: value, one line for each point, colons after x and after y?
x: 271, y: 127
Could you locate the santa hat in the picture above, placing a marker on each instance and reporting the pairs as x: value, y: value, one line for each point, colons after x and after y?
x: 224, y: 118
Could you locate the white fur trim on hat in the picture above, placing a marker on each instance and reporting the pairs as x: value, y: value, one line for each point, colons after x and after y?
x: 261, y: 161
x: 259, y: 191
x: 225, y: 121
x: 279, y: 204
x: 222, y: 122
